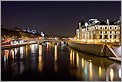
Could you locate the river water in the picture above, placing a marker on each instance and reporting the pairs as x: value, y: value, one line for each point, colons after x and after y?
x: 56, y: 62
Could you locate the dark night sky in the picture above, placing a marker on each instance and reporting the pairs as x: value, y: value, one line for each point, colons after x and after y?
x: 55, y: 17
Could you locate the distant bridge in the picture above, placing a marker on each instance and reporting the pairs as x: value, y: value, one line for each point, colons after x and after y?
x: 49, y: 40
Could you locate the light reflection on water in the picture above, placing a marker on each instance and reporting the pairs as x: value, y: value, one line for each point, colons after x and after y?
x: 40, y: 63
x: 95, y: 68
x: 49, y: 60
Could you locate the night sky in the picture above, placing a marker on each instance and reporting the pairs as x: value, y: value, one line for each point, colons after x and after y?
x: 56, y: 17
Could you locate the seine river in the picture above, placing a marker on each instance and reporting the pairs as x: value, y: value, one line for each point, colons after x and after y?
x: 56, y: 62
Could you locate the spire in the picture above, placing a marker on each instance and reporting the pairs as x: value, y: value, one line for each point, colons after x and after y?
x: 82, y: 22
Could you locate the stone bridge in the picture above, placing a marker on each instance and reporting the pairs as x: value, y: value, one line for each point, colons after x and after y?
x: 49, y: 40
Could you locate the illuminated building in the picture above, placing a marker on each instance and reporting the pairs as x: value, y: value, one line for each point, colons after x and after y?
x: 98, y: 31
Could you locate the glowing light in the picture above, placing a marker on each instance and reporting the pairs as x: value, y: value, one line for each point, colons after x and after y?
x: 40, y: 64
x: 4, y: 58
x: 40, y: 58
x: 90, y: 70
x: 100, y: 71
x: 33, y: 48
x: 77, y: 56
x: 16, y: 49
x: 111, y: 74
x: 82, y: 62
x: 21, y: 52
x: 6, y: 54
x: 55, y: 66
x: 26, y: 49
x: 119, y: 73
x: 12, y: 51
x: 71, y: 56
x: 55, y: 52
x: 40, y: 49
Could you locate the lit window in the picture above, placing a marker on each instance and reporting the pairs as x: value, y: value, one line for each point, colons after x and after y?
x: 100, y: 31
x: 110, y: 36
x: 106, y: 37
x: 100, y: 36
x: 110, y: 32
x: 115, y: 36
x: 115, y: 32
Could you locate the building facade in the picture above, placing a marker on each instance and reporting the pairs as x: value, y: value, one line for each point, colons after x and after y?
x: 98, y: 31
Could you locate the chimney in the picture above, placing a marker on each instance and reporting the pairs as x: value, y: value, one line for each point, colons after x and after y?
x: 79, y: 24
x: 107, y: 21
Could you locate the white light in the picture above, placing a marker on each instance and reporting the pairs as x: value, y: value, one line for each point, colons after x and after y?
x: 55, y: 52
x: 21, y: 52
x: 86, y: 24
x: 119, y: 73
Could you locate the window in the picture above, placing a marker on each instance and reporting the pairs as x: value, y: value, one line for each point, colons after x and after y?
x: 105, y: 37
x: 100, y: 36
x: 105, y: 31
x: 105, y: 27
x: 100, y: 27
x: 115, y: 36
x: 110, y: 32
x: 115, y: 27
x: 110, y: 36
x: 115, y: 32
x: 100, y: 31
x: 110, y: 27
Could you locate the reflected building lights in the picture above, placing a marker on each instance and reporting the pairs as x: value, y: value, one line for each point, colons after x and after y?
x: 82, y: 62
x: 26, y: 49
x: 120, y: 73
x: 4, y: 58
x: 77, y: 61
x: 71, y: 57
x: 90, y: 71
x: 40, y: 64
x: 40, y: 58
x: 6, y: 55
x: 21, y: 52
x: 16, y: 49
x: 40, y: 49
x: 111, y: 74
x: 12, y: 52
x: 33, y: 48
x: 21, y: 68
x: 55, y: 52
x: 100, y: 71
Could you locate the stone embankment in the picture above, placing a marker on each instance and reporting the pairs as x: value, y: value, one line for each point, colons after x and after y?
x: 96, y: 49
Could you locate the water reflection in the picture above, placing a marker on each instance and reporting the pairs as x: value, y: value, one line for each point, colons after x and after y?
x: 33, y: 48
x: 12, y: 52
x: 47, y: 61
x: 93, y: 67
x: 55, y: 52
x: 119, y: 72
x: 21, y: 52
x: 6, y: 55
x: 90, y: 71
x: 55, y: 58
x: 100, y: 71
x: 40, y: 64
x: 111, y: 74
